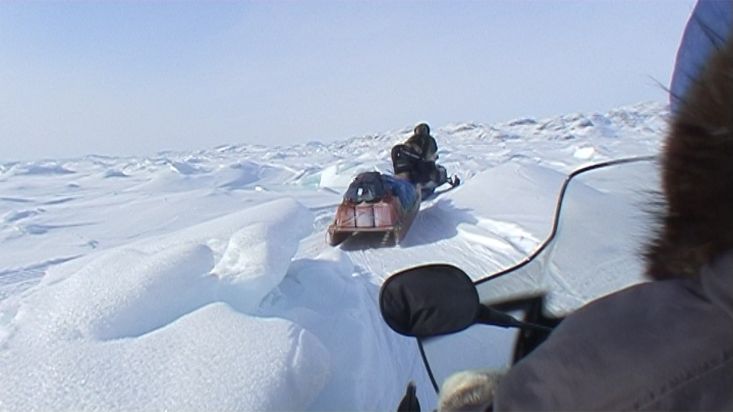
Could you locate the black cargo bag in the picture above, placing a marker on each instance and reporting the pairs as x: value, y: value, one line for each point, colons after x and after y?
x: 366, y: 187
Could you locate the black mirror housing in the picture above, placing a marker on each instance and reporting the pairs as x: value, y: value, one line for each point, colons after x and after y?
x: 429, y: 300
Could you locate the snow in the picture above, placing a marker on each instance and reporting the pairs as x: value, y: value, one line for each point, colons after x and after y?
x: 203, y: 281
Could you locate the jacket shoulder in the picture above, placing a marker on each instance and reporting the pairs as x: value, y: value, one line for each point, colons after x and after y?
x: 651, y: 346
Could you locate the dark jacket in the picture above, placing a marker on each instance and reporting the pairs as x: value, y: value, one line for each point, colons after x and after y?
x: 416, y: 157
x: 666, y: 344
x: 423, y: 145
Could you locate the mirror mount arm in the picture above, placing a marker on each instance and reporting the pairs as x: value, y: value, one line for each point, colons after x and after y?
x: 488, y: 316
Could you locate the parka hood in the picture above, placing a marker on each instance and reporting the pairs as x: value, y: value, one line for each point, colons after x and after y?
x: 695, y: 225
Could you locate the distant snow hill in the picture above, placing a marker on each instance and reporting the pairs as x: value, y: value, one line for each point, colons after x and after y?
x: 203, y: 281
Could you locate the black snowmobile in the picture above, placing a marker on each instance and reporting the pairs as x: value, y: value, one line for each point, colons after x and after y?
x: 438, y: 303
x: 426, y: 175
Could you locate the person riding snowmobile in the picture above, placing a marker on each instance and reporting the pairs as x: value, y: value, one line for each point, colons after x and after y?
x: 415, y: 159
x: 422, y: 143
x: 666, y: 344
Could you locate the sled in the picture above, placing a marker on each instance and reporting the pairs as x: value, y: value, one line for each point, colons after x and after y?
x: 383, y: 216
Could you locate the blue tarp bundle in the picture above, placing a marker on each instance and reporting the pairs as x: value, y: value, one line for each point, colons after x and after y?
x: 403, y: 189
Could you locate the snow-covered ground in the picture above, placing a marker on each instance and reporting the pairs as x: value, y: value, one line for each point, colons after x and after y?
x: 203, y: 281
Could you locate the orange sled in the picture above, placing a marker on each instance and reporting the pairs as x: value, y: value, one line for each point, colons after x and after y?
x: 385, y: 216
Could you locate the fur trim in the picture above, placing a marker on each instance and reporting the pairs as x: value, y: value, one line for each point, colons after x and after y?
x: 697, y: 176
x: 468, y: 391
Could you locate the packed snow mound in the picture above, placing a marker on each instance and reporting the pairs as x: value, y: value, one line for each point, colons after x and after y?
x: 41, y: 168
x: 214, y: 358
x: 154, y: 322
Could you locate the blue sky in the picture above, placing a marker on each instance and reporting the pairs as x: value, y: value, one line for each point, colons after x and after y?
x: 124, y: 78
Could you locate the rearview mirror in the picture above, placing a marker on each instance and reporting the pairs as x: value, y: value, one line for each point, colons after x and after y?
x: 429, y: 300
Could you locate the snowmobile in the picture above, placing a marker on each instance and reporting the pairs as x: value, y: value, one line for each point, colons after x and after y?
x: 428, y: 188
x: 427, y: 175
x: 375, y: 203
x: 438, y: 303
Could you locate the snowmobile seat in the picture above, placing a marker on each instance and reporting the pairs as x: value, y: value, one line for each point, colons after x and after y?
x: 404, y: 160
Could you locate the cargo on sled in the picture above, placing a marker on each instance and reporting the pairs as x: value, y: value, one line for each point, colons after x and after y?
x: 375, y: 203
